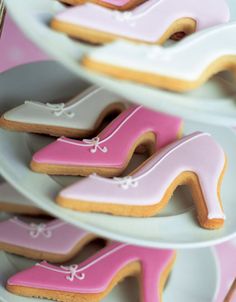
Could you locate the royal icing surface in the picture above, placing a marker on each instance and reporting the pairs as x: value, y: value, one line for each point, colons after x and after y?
x: 117, y: 2
x: 95, y: 274
x: 150, y: 20
x: 81, y: 112
x: 197, y: 152
x: 45, y: 237
x: 112, y: 146
x: 185, y: 60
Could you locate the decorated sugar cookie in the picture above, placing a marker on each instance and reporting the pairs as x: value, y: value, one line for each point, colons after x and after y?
x: 55, y: 241
x: 154, y: 21
x: 109, y: 153
x: 196, y: 160
x: 181, y: 67
x: 80, y: 117
x: 93, y: 279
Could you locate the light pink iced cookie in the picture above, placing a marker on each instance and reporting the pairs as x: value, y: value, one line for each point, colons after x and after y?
x: 152, y: 22
x: 55, y: 241
x: 196, y: 160
x: 109, y: 153
x: 93, y: 279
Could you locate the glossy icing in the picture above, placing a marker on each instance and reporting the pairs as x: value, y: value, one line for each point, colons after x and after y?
x: 198, y: 153
x: 81, y: 112
x: 117, y: 2
x: 94, y: 275
x: 41, y: 237
x: 150, y: 20
x: 112, y: 146
x: 185, y: 60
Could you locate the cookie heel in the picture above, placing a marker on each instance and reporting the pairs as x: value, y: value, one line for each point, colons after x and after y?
x: 152, y: 283
x: 206, y: 192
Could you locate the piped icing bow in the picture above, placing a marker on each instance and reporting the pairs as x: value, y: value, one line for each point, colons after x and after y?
x: 126, y: 182
x: 36, y: 229
x: 57, y: 109
x: 95, y: 143
x: 72, y: 271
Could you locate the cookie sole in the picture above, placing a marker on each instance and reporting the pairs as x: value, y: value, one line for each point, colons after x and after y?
x: 174, y: 84
x: 186, y: 25
x: 20, y: 209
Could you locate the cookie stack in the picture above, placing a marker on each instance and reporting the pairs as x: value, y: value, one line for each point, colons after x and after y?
x: 103, y: 158
x: 90, y: 280
x: 121, y: 160
x: 183, y: 67
x: 121, y: 129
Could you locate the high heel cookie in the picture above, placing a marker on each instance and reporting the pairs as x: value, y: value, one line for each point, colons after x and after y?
x: 109, y: 153
x: 82, y: 116
x: 55, y: 241
x: 93, y: 279
x: 181, y: 67
x: 196, y: 160
x: 151, y: 22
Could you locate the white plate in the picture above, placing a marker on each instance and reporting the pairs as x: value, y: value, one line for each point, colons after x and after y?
x: 212, y: 103
x: 195, y: 277
x: 174, y: 228
x: 10, y: 195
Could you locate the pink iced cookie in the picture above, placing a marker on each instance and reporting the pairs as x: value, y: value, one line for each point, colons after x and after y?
x: 109, y: 153
x: 93, y: 279
x: 43, y: 241
x: 154, y: 21
x: 195, y: 160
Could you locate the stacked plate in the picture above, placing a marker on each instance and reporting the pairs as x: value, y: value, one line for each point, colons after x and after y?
x: 211, y: 108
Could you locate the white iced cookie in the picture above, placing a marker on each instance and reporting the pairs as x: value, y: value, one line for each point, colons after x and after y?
x: 80, y: 117
x: 180, y: 67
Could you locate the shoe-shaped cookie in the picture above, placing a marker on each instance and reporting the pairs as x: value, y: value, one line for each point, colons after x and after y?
x: 121, y: 5
x: 109, y: 153
x: 11, y: 201
x: 55, y: 241
x: 151, y: 22
x: 181, y: 67
x: 196, y: 160
x: 94, y: 278
x: 80, y: 117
